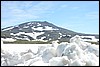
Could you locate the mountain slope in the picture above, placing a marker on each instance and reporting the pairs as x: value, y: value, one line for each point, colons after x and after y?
x: 39, y: 30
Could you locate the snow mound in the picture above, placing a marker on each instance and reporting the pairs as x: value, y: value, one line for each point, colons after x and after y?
x: 75, y: 53
x: 48, y: 54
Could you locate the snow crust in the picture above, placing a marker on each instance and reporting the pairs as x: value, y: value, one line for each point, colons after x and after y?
x: 75, y: 53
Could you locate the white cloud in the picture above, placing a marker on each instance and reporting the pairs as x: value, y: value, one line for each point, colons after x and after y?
x: 37, y: 9
x: 92, y: 15
x: 64, y: 6
x: 41, y: 8
x: 27, y: 4
x: 75, y: 7
x: 14, y: 11
x: 75, y: 17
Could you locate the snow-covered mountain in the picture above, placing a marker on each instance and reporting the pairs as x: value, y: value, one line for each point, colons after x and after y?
x: 38, y: 30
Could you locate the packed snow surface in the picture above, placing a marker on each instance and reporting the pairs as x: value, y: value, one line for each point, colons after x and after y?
x: 75, y: 53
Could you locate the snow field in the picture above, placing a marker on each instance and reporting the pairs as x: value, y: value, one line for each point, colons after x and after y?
x: 75, y: 53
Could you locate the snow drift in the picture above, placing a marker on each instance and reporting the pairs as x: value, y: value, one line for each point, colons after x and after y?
x: 75, y: 53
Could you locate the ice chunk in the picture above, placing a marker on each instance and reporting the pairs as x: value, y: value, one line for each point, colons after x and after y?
x: 77, y: 62
x: 92, y: 60
x: 75, y: 39
x: 58, y: 61
x: 48, y: 54
x: 27, y: 56
x: 55, y: 44
x: 60, y: 49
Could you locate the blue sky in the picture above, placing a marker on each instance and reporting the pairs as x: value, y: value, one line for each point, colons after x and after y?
x: 79, y: 16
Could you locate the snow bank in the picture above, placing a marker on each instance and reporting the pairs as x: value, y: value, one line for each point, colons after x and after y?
x: 75, y: 53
